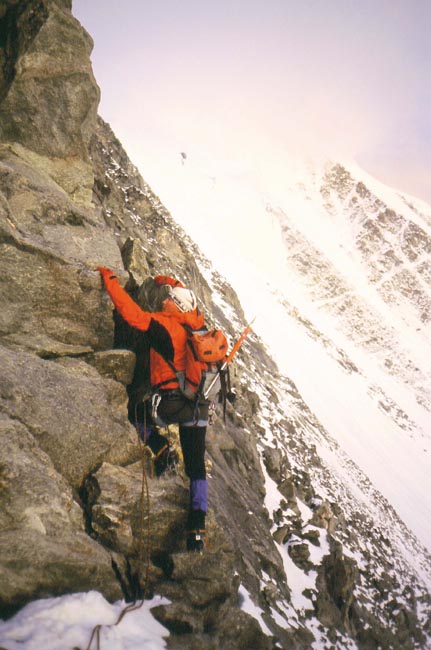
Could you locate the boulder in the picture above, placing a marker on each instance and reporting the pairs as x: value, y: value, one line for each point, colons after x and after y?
x: 49, y: 94
x: 335, y: 582
x: 45, y: 550
x: 76, y: 417
x: 117, y: 511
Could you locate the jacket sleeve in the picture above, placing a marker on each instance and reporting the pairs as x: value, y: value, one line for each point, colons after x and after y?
x: 123, y: 303
x: 165, y: 279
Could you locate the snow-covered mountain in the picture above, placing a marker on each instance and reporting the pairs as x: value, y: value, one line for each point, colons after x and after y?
x: 337, y: 267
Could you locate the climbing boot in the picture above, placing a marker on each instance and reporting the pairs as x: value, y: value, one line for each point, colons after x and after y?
x: 166, y: 460
x: 196, y: 538
x: 196, y: 541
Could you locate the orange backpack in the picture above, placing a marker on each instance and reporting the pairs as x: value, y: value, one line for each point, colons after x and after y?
x: 209, y: 346
x: 206, y: 350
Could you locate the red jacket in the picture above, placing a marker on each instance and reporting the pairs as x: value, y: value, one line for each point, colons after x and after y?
x: 166, y: 334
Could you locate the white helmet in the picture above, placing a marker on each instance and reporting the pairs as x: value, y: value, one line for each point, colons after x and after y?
x: 184, y: 299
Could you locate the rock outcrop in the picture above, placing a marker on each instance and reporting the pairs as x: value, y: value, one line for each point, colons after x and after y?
x: 72, y: 516
x: 48, y: 94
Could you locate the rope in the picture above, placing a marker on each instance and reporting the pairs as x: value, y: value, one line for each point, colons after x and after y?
x: 143, y: 548
x: 145, y: 509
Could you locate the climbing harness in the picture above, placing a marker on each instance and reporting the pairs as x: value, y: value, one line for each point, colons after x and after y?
x: 155, y: 401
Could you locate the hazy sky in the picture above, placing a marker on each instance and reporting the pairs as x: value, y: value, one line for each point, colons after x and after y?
x: 240, y: 78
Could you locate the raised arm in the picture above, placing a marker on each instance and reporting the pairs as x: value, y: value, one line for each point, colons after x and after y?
x: 123, y: 303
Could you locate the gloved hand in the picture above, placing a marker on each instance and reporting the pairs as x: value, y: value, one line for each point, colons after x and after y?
x: 105, y: 272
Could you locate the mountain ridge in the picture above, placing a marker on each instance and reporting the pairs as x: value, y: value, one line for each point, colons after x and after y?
x: 317, y: 550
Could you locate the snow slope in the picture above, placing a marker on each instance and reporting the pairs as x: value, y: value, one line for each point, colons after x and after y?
x: 355, y: 340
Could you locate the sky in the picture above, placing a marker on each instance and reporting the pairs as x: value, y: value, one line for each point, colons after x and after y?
x: 249, y: 80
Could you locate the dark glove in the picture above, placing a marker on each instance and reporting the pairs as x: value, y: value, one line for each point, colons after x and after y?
x: 105, y: 273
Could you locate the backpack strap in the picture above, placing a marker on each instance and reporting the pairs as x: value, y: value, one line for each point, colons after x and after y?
x: 180, y: 378
x: 224, y: 386
x: 165, y: 382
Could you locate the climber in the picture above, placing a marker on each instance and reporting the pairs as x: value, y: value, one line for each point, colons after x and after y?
x: 167, y: 338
